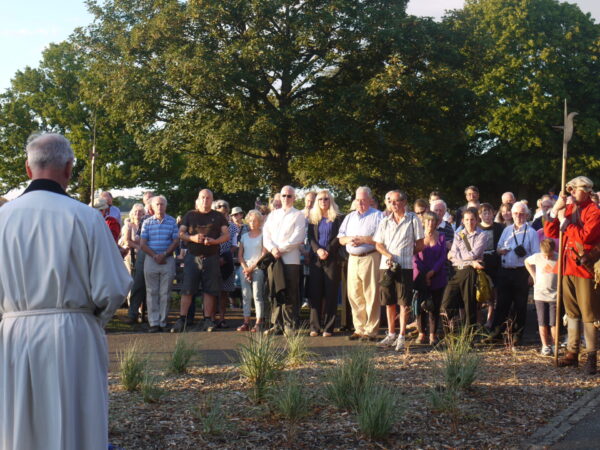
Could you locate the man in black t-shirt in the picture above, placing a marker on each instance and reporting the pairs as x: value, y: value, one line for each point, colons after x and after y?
x: 203, y: 230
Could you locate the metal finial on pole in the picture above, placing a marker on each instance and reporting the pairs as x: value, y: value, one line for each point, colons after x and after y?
x: 567, y: 135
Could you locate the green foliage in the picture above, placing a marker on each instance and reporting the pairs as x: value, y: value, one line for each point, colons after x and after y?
x: 289, y: 399
x: 377, y: 411
x: 347, y: 381
x: 297, y: 348
x: 180, y: 359
x: 261, y: 361
x: 151, y: 392
x: 132, y: 367
x: 459, y: 360
x: 210, y: 414
x: 444, y: 400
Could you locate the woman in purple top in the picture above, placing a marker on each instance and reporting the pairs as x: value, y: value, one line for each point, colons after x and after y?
x: 429, y: 274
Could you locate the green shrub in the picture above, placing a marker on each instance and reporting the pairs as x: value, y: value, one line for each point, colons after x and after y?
x: 151, y: 393
x: 132, y: 367
x: 348, y: 380
x: 210, y: 415
x: 443, y: 400
x: 459, y: 360
x: 377, y: 411
x: 180, y: 359
x: 289, y: 399
x: 261, y: 361
x: 296, y: 347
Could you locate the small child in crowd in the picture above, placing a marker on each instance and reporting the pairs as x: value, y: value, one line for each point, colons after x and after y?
x: 541, y: 267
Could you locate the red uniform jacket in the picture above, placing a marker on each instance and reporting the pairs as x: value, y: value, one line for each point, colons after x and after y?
x: 586, y: 231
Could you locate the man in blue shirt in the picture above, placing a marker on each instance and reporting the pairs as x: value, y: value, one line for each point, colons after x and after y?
x: 159, y: 239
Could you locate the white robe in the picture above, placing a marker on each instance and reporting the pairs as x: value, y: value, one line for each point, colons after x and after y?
x: 61, y: 280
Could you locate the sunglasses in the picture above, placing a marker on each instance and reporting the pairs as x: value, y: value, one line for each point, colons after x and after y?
x: 287, y: 195
x: 324, y: 199
x: 220, y: 206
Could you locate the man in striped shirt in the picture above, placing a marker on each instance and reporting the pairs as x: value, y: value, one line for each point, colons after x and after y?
x: 159, y: 239
x: 398, y: 237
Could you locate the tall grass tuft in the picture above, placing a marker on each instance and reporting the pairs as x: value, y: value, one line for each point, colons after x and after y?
x: 289, y: 399
x: 261, y: 361
x: 377, y: 411
x: 151, y: 393
x: 132, y: 367
x: 459, y: 360
x: 180, y: 359
x: 210, y: 415
x: 348, y: 380
x: 297, y: 348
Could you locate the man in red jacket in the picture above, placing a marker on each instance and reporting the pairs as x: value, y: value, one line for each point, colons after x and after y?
x: 580, y: 222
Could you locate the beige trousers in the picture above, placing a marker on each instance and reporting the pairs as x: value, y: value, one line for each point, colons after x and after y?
x: 363, y: 293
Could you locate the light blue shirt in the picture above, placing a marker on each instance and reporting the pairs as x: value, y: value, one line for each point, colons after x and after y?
x: 356, y: 224
x: 525, y: 236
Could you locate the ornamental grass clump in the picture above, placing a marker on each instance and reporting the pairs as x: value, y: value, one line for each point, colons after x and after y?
x: 289, y: 399
x: 180, y: 359
x: 132, y: 367
x: 348, y: 380
x: 377, y: 411
x: 211, y: 417
x: 460, y: 362
x: 297, y: 348
x: 261, y: 361
x: 151, y: 392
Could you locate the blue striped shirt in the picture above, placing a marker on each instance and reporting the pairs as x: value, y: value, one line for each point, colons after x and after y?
x: 159, y: 235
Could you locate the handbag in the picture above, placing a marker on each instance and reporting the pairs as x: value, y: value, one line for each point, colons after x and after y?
x: 483, y: 287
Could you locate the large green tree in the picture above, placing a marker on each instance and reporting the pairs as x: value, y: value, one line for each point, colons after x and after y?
x: 236, y: 87
x: 522, y: 58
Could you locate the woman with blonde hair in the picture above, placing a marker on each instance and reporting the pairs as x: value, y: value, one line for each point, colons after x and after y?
x: 252, y: 278
x: 325, y: 267
x: 130, y: 235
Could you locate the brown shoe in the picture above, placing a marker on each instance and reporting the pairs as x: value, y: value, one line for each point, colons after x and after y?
x: 354, y: 337
x: 570, y: 359
x: 590, y: 367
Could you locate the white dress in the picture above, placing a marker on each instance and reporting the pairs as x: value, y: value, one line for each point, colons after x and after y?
x: 61, y: 280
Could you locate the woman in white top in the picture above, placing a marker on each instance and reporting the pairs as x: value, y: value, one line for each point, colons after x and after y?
x: 130, y: 236
x: 252, y: 278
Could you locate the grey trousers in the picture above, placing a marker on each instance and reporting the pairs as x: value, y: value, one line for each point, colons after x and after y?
x: 159, y: 282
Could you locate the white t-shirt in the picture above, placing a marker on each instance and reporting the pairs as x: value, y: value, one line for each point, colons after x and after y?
x: 252, y: 247
x: 545, y: 278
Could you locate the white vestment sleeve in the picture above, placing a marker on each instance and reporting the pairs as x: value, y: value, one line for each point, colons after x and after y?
x: 109, y: 280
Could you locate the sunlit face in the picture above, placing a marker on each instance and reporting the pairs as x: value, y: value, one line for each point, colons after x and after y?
x: 429, y: 224
x: 323, y: 202
x: 471, y: 195
x: 254, y: 222
x: 546, y: 205
x: 419, y: 211
x: 159, y: 205
x: 287, y: 197
x: 487, y: 215
x: 363, y: 201
x: 519, y: 216
x: 276, y: 203
x: 138, y: 214
x: 506, y: 214
x: 387, y: 201
x: 439, y: 210
x: 237, y: 218
x: 309, y: 201
x: 205, y: 200
x: 579, y: 195
x: 397, y: 203
x: 470, y: 222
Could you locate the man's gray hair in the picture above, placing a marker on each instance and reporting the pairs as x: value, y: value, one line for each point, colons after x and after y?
x: 520, y: 205
x: 288, y: 187
x: 49, y: 150
x: 438, y: 202
x: 365, y: 189
x: 157, y: 197
x: 581, y: 182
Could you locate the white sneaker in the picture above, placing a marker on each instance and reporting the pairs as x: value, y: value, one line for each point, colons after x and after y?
x: 388, y: 341
x: 400, y: 343
x: 546, y: 350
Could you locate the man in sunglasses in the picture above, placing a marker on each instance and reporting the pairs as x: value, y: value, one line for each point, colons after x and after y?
x: 283, y: 234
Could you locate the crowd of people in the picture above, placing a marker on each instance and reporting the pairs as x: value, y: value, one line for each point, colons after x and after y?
x: 420, y: 264
x: 67, y: 268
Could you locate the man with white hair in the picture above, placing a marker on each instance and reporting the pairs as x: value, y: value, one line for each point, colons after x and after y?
x: 517, y: 242
x: 440, y: 208
x: 283, y: 234
x: 356, y: 233
x: 61, y: 280
x: 580, y: 222
x: 159, y: 239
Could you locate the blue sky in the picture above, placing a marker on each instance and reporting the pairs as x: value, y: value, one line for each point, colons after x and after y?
x: 28, y: 26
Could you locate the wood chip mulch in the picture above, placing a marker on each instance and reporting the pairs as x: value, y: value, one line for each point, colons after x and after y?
x: 514, y: 394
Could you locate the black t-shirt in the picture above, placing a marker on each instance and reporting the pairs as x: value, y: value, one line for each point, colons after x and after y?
x: 208, y: 224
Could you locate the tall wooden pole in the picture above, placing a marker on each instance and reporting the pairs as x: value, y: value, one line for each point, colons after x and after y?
x: 93, y: 163
x: 567, y: 134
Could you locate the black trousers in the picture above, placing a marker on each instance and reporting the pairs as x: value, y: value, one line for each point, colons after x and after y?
x: 285, y: 316
x: 513, y: 290
x: 323, y: 290
x: 432, y: 317
x: 460, y: 292
x: 138, y: 289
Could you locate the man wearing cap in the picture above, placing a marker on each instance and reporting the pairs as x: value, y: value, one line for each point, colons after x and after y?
x: 61, y: 280
x: 356, y: 233
x: 580, y: 222
x: 113, y: 225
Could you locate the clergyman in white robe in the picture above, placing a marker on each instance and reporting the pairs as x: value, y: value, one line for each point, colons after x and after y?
x: 61, y: 280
